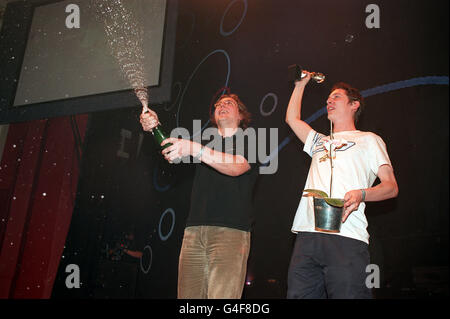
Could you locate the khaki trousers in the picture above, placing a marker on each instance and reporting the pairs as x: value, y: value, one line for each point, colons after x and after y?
x: 213, y: 263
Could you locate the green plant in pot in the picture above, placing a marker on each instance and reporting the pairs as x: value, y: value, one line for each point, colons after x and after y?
x: 327, y: 210
x: 337, y: 202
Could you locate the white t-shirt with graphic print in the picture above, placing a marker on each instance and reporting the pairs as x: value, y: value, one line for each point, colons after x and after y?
x: 356, y: 158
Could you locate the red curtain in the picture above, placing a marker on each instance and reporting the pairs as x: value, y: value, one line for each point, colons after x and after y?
x: 38, y: 182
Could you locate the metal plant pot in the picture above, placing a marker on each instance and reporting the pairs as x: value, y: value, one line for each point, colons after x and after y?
x: 328, y: 218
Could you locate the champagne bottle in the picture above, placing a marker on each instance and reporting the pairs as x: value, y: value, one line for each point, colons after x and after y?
x: 159, y: 135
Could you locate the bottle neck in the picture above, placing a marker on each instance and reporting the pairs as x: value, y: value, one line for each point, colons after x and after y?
x: 157, y: 128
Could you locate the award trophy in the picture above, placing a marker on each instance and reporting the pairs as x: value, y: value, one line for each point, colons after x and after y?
x: 296, y: 73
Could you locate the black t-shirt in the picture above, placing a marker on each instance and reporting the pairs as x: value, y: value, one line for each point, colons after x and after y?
x: 221, y: 200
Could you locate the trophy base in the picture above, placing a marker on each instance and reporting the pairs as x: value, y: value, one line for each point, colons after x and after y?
x: 326, y: 230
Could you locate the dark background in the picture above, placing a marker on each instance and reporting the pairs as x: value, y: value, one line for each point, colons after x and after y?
x: 409, y: 234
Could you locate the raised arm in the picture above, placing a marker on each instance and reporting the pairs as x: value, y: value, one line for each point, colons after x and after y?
x: 293, y: 113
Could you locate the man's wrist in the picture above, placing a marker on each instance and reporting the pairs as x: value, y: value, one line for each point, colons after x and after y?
x: 200, y: 152
x: 363, y: 192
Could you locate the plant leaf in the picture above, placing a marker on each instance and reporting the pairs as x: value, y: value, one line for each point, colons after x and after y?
x: 316, y: 193
x: 334, y: 202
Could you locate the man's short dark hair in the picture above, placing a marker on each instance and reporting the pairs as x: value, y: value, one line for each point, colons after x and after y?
x: 353, y: 95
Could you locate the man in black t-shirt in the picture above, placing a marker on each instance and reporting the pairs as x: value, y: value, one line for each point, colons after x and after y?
x: 216, y: 242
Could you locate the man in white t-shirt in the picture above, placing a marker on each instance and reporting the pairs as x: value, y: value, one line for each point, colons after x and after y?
x: 332, y: 265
